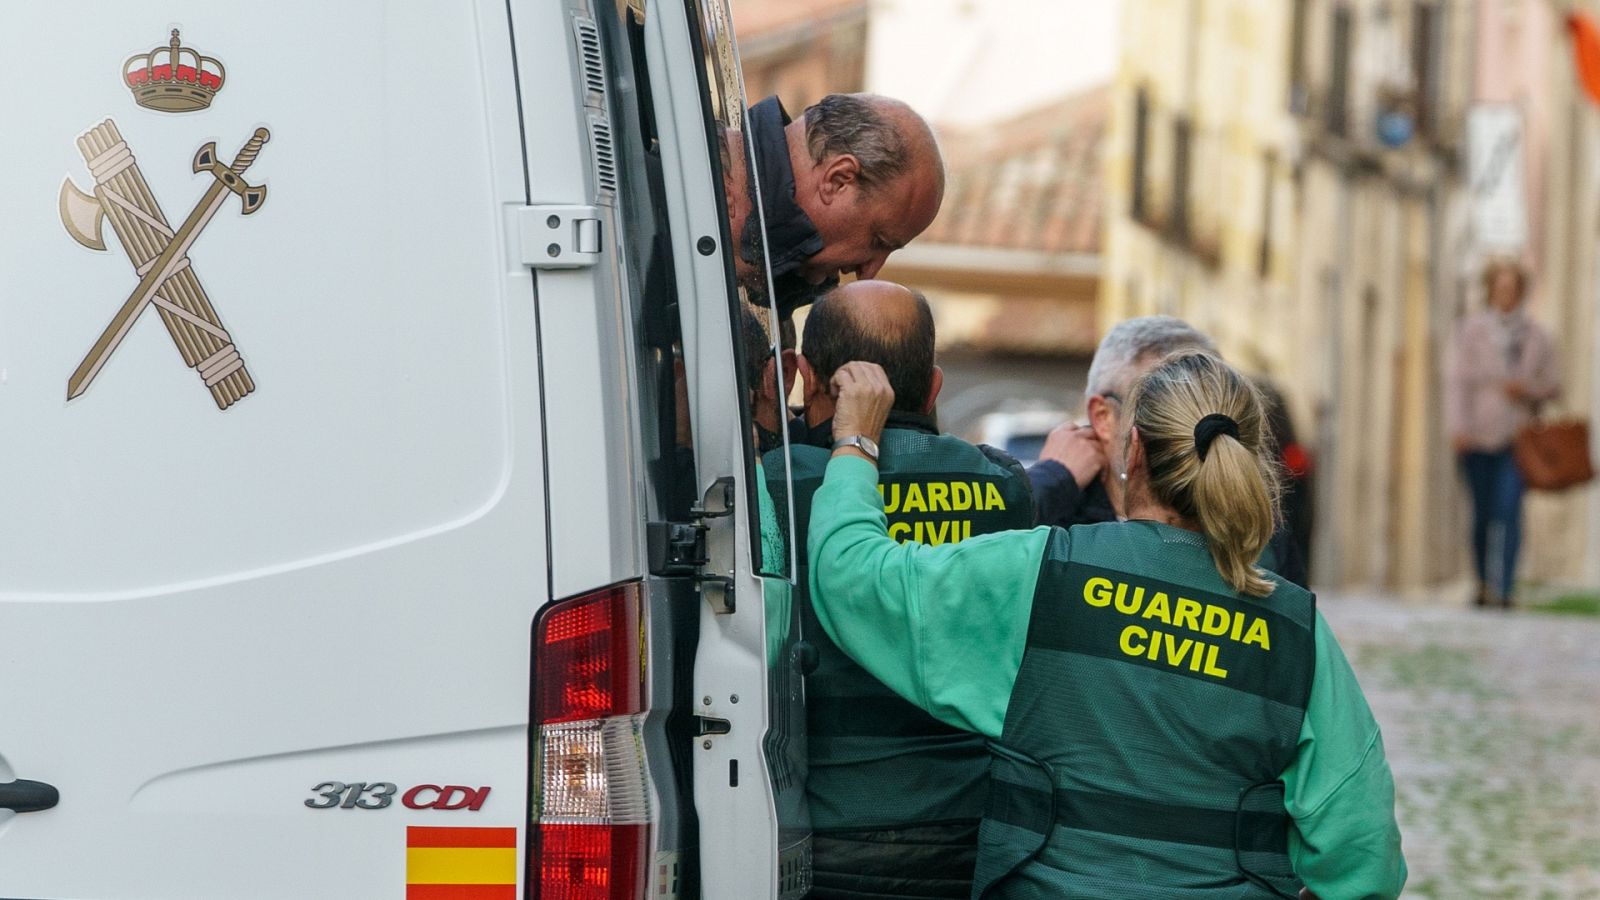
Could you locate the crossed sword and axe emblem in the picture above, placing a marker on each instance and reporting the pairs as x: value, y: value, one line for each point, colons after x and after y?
x: 160, y: 255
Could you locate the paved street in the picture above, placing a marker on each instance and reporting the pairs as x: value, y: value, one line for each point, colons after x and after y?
x: 1492, y: 725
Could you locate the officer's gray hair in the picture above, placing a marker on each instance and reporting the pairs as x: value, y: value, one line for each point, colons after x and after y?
x: 1132, y: 341
x: 857, y: 124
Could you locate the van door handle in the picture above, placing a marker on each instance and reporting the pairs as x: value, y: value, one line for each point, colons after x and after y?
x: 28, y: 796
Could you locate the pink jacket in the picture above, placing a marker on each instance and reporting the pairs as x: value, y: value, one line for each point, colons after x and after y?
x: 1486, y: 357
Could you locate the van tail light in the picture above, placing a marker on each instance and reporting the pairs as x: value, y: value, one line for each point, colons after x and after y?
x: 591, y: 807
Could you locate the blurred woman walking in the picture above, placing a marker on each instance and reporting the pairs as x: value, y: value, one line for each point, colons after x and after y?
x: 1503, y: 367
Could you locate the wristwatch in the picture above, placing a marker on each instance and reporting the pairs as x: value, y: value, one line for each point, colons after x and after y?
x: 860, y: 442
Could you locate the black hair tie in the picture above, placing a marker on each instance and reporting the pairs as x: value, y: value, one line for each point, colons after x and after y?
x: 1207, y: 429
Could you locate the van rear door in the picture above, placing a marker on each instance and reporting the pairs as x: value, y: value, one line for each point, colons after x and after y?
x: 749, y: 774
x: 267, y: 639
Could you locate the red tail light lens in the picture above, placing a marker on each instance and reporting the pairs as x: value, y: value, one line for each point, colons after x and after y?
x: 591, y: 862
x: 589, y: 657
x: 592, y: 792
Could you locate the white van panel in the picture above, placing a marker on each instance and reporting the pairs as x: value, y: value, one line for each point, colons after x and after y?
x: 591, y: 405
x: 365, y: 429
x: 208, y: 612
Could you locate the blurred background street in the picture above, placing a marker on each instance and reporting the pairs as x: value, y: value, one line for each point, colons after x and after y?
x: 1489, y: 721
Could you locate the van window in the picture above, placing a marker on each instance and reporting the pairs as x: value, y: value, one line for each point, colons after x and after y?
x: 762, y: 388
x: 757, y: 337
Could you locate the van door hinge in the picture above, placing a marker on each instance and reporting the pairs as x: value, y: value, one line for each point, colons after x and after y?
x: 678, y: 549
x: 559, y: 237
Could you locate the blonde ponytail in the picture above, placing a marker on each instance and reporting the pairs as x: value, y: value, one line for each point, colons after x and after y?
x: 1222, y: 478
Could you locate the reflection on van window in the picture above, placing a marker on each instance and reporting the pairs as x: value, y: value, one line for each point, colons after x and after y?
x: 755, y: 318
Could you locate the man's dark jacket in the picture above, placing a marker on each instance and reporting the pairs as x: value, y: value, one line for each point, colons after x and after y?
x: 792, y: 237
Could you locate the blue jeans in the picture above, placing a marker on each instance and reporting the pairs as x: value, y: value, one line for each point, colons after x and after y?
x: 1496, y: 488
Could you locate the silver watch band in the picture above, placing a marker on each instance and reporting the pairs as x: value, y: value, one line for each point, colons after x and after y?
x: 860, y: 442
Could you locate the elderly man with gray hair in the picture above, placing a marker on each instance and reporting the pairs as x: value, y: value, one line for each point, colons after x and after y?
x: 1077, y: 480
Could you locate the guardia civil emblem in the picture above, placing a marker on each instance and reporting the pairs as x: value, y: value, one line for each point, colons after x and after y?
x: 173, y: 78
x: 186, y: 82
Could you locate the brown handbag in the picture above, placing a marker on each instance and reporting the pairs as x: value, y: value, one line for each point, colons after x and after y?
x: 1553, y: 454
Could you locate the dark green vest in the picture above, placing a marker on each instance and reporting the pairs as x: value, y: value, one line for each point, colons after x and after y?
x: 877, y: 761
x: 1152, y: 717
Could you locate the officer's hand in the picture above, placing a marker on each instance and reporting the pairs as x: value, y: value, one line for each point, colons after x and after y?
x: 1078, y: 448
x: 861, y: 400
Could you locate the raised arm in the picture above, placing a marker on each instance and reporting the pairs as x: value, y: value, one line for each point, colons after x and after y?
x: 942, y: 626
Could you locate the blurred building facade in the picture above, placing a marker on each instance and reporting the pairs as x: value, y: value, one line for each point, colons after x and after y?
x: 801, y: 50
x: 1290, y: 175
x: 1524, y: 61
x: 1011, y: 266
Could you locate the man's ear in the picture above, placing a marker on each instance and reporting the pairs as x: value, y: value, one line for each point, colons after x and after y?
x: 934, y: 385
x: 1103, y: 419
x: 810, y: 386
x: 790, y: 366
x: 839, y: 174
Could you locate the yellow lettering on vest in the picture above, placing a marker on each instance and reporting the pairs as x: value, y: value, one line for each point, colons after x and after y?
x: 960, y: 496
x: 1187, y: 614
x: 1211, y: 663
x: 1157, y: 608
x: 966, y: 529
x: 1197, y: 656
x: 1129, y: 635
x: 1155, y: 645
x: 1216, y: 621
x: 991, y: 497
x: 914, y: 501
x: 1258, y: 635
x: 1175, y: 659
x: 939, y: 496
x: 1097, y: 592
x: 939, y: 533
x: 900, y: 531
x: 1129, y: 605
x: 891, y: 502
x: 1238, y: 625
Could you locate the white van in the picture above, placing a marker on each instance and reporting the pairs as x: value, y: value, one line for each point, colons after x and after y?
x: 377, y: 507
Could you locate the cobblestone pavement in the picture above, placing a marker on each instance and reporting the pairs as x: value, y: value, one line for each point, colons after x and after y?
x: 1491, y: 721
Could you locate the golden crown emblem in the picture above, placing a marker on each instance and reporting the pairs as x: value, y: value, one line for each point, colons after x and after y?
x: 185, y: 82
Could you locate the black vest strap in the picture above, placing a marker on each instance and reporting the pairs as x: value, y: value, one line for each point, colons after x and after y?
x: 1227, y: 829
x: 873, y: 717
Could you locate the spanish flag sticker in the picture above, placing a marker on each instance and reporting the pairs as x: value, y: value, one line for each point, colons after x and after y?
x: 461, y: 863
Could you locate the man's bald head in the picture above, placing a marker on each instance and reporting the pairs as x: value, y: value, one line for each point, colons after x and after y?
x: 869, y: 175
x: 879, y: 322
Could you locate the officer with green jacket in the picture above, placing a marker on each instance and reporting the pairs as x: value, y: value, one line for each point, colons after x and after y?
x: 1167, y: 719
x: 895, y: 794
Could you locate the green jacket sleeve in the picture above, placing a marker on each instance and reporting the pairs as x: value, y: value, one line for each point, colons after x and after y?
x: 1339, y: 790
x: 943, y: 626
